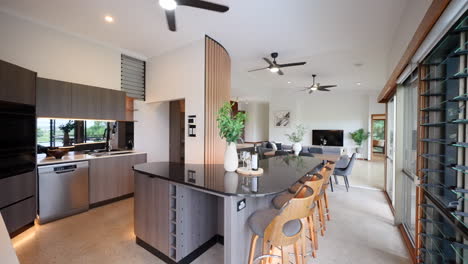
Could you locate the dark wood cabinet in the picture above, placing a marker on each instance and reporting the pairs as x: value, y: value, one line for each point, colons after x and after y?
x: 152, y: 210
x: 78, y: 101
x: 85, y: 101
x: 112, y: 104
x: 112, y: 177
x: 17, y: 85
x: 53, y: 98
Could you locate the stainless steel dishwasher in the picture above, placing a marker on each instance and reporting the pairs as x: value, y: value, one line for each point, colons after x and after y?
x: 63, y: 190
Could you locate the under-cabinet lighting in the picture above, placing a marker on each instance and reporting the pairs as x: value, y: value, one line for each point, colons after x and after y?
x: 77, y: 119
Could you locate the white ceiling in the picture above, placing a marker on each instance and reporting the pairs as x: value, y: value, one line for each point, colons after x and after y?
x: 331, y: 35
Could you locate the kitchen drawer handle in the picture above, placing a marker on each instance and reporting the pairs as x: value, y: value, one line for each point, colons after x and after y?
x: 60, y: 172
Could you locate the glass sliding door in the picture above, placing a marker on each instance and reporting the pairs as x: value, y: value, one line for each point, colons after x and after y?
x: 410, y: 99
x: 390, y: 178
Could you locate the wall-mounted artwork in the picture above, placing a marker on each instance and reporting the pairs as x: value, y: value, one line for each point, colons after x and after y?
x: 282, y: 118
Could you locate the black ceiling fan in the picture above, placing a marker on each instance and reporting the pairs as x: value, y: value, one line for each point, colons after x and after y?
x: 317, y: 87
x: 170, y: 6
x: 276, y: 67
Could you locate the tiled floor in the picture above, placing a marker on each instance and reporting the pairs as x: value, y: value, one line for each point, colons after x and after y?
x: 360, y: 231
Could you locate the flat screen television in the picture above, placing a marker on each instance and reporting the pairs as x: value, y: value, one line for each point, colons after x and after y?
x: 327, y: 137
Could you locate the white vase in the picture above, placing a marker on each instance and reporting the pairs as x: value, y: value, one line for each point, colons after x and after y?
x: 231, y: 180
x: 231, y: 161
x: 297, y: 148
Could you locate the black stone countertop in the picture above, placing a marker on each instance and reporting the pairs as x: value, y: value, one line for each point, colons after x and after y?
x: 279, y: 174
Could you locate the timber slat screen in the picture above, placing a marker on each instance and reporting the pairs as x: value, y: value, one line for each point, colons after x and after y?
x: 442, y: 227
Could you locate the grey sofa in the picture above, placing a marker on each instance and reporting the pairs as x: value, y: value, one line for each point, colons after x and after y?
x: 265, y: 147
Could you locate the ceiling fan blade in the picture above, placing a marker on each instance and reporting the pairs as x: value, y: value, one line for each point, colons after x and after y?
x: 292, y: 64
x: 268, y: 61
x: 311, y: 91
x: 324, y: 89
x: 280, y: 72
x: 327, y: 86
x: 171, y: 23
x: 204, y: 5
x: 259, y: 69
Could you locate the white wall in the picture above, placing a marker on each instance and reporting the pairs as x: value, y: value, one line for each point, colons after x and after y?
x: 180, y: 74
x: 57, y: 55
x: 257, y: 125
x: 334, y: 110
x: 152, y: 130
x: 408, y: 23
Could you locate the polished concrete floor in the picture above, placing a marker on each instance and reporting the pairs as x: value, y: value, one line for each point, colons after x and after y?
x: 367, y: 174
x: 360, y: 231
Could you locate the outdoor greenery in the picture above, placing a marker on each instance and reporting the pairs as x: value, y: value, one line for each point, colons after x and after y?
x: 297, y: 135
x: 230, y: 127
x: 378, y: 129
x: 359, y: 136
x: 96, y: 130
x: 68, y: 127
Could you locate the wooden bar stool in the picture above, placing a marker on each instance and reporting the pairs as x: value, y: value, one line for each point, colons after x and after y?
x: 315, y: 182
x: 322, y: 198
x: 330, y: 166
x: 281, y: 228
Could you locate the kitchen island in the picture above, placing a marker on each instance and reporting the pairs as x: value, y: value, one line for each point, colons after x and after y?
x: 181, y: 210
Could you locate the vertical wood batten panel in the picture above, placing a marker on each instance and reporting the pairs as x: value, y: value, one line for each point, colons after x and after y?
x: 217, y: 91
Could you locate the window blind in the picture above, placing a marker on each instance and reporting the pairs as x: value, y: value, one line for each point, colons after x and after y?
x: 133, y: 77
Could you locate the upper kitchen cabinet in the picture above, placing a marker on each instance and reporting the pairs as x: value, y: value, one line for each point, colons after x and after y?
x: 112, y: 104
x: 77, y: 101
x: 85, y: 101
x: 17, y: 85
x: 53, y: 98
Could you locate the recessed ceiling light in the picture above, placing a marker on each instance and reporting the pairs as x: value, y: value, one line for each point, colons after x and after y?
x: 168, y: 4
x: 358, y: 83
x: 109, y: 19
x: 289, y: 81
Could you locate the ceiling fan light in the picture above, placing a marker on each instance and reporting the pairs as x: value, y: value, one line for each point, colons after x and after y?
x: 168, y: 4
x: 313, y: 88
x: 274, y: 69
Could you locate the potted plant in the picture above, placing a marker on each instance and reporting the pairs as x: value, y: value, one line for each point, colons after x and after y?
x: 230, y: 128
x: 67, y: 128
x: 296, y: 138
x: 359, y: 136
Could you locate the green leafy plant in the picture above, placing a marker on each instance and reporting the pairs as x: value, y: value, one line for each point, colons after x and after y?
x: 297, y: 135
x: 230, y: 127
x: 69, y: 126
x: 359, y: 136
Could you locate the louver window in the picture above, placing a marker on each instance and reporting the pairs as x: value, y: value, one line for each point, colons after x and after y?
x: 133, y: 77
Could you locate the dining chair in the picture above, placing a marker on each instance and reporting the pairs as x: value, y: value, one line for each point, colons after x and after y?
x: 345, y: 172
x: 282, y: 228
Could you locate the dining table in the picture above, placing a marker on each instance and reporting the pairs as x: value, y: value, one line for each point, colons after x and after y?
x: 328, y: 157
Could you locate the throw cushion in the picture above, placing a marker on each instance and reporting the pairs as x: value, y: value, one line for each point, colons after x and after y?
x: 279, y: 146
x: 273, y: 146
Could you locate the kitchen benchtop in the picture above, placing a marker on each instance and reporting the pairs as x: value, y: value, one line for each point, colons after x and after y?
x: 7, y: 253
x: 78, y: 156
x: 279, y: 174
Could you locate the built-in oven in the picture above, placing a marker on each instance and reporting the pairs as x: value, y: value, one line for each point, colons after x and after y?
x: 18, y: 139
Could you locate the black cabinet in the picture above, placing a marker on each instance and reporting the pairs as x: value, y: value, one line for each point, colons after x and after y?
x: 17, y: 85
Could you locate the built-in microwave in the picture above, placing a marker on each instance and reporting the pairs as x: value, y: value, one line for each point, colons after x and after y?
x: 17, y: 139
